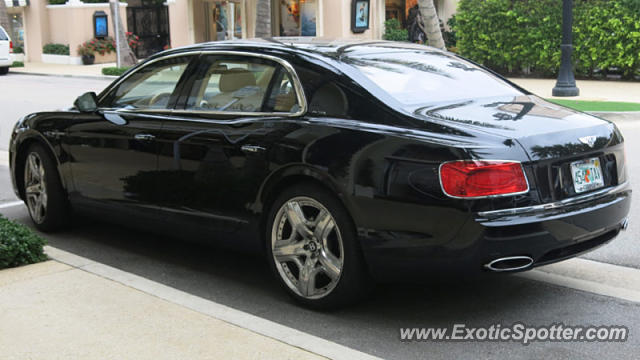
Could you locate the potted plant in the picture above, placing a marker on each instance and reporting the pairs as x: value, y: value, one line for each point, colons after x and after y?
x: 87, y: 51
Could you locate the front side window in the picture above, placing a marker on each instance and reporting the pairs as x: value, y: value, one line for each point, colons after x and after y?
x: 151, y: 87
x: 237, y: 84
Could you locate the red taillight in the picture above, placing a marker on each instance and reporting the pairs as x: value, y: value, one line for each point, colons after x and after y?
x: 10, y: 46
x: 472, y: 179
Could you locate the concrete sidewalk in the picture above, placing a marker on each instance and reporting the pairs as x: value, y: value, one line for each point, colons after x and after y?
x: 85, y: 71
x: 55, y: 311
x: 598, y: 90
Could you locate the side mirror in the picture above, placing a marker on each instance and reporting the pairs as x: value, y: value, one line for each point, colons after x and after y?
x: 87, y: 102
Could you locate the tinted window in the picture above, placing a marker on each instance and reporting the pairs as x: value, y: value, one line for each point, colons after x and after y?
x: 238, y: 84
x: 422, y: 77
x: 151, y: 87
x: 3, y: 35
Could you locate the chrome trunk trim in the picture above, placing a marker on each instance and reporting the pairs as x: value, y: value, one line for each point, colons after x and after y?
x: 554, y: 205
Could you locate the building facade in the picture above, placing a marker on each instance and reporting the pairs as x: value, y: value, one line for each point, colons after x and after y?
x: 195, y: 21
x: 175, y: 23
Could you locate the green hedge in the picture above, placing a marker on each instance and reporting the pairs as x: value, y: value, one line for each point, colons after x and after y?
x: 114, y: 71
x: 17, y: 64
x: 522, y: 36
x: 56, y: 49
x: 393, y: 31
x: 19, y: 245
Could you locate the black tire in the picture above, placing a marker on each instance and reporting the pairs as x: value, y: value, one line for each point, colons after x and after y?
x: 4, y: 70
x: 56, y: 215
x: 354, y: 281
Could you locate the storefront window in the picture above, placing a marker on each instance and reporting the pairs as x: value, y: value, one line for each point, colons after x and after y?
x: 17, y: 30
x: 224, y: 20
x: 297, y: 17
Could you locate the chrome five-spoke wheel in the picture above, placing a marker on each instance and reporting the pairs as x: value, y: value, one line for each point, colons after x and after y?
x: 307, y: 247
x: 35, y: 187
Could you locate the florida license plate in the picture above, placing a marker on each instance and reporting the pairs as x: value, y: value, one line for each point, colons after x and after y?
x: 587, y: 175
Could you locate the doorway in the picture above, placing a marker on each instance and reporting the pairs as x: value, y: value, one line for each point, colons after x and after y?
x: 150, y: 21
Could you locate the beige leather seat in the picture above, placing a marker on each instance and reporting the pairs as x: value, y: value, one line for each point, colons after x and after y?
x: 238, y: 92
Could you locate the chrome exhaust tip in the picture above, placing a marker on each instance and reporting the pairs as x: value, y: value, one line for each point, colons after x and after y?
x: 510, y: 263
x: 625, y: 224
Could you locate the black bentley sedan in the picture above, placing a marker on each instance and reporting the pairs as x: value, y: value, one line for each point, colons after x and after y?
x: 345, y: 162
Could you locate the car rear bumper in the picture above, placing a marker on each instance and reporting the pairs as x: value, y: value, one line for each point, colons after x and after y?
x: 546, y: 234
x: 5, y: 62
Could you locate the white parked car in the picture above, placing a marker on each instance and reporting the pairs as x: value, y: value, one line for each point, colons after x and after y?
x: 6, y: 46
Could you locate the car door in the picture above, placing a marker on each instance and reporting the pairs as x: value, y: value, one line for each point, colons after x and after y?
x: 4, y: 46
x: 215, y: 151
x: 114, y: 152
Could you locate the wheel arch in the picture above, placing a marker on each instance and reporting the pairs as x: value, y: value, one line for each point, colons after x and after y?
x: 21, y: 153
x: 294, y: 175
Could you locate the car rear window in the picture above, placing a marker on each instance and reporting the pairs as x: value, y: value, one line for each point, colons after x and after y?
x: 3, y: 35
x: 419, y: 77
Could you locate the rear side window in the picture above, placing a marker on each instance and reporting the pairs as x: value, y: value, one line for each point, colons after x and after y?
x: 242, y: 84
x: 3, y: 35
x: 421, y: 77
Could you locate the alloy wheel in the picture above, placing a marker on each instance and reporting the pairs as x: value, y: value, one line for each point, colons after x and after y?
x: 307, y: 247
x: 35, y: 187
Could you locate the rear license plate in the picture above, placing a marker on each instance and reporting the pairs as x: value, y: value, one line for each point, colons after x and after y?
x: 587, y: 175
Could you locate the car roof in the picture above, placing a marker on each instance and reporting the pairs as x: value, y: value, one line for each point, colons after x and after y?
x: 320, y: 47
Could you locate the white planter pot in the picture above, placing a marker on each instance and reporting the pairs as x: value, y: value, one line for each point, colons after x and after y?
x: 56, y: 59
x: 17, y: 57
x: 75, y: 60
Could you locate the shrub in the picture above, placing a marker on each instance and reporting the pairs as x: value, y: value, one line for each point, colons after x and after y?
x: 114, y: 71
x: 99, y: 46
x: 57, y: 2
x: 133, y: 40
x: 607, y: 35
x: 515, y: 36
x: 56, y: 49
x: 449, y: 37
x: 17, y: 64
x: 394, y: 32
x: 19, y: 245
x: 17, y: 49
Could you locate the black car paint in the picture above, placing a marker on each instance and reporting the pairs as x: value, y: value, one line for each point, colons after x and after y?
x: 196, y: 181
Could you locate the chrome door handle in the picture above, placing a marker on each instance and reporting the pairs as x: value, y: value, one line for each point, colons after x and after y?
x: 252, y: 148
x: 144, y: 137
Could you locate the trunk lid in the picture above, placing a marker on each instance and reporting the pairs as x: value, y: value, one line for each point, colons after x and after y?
x: 553, y: 137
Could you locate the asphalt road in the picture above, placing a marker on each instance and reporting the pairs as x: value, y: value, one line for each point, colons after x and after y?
x: 24, y: 94
x: 243, y: 282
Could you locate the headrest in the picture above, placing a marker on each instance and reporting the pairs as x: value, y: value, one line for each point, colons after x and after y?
x: 235, y: 79
x: 329, y: 100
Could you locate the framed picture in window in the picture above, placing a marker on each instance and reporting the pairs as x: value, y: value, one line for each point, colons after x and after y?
x: 360, y: 10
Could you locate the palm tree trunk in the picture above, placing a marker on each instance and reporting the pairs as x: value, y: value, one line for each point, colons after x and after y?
x: 263, y: 19
x: 4, y: 17
x: 431, y: 24
x: 127, y: 57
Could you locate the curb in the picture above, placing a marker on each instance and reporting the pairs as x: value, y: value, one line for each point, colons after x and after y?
x: 617, y: 115
x: 89, y: 77
x: 253, y: 323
